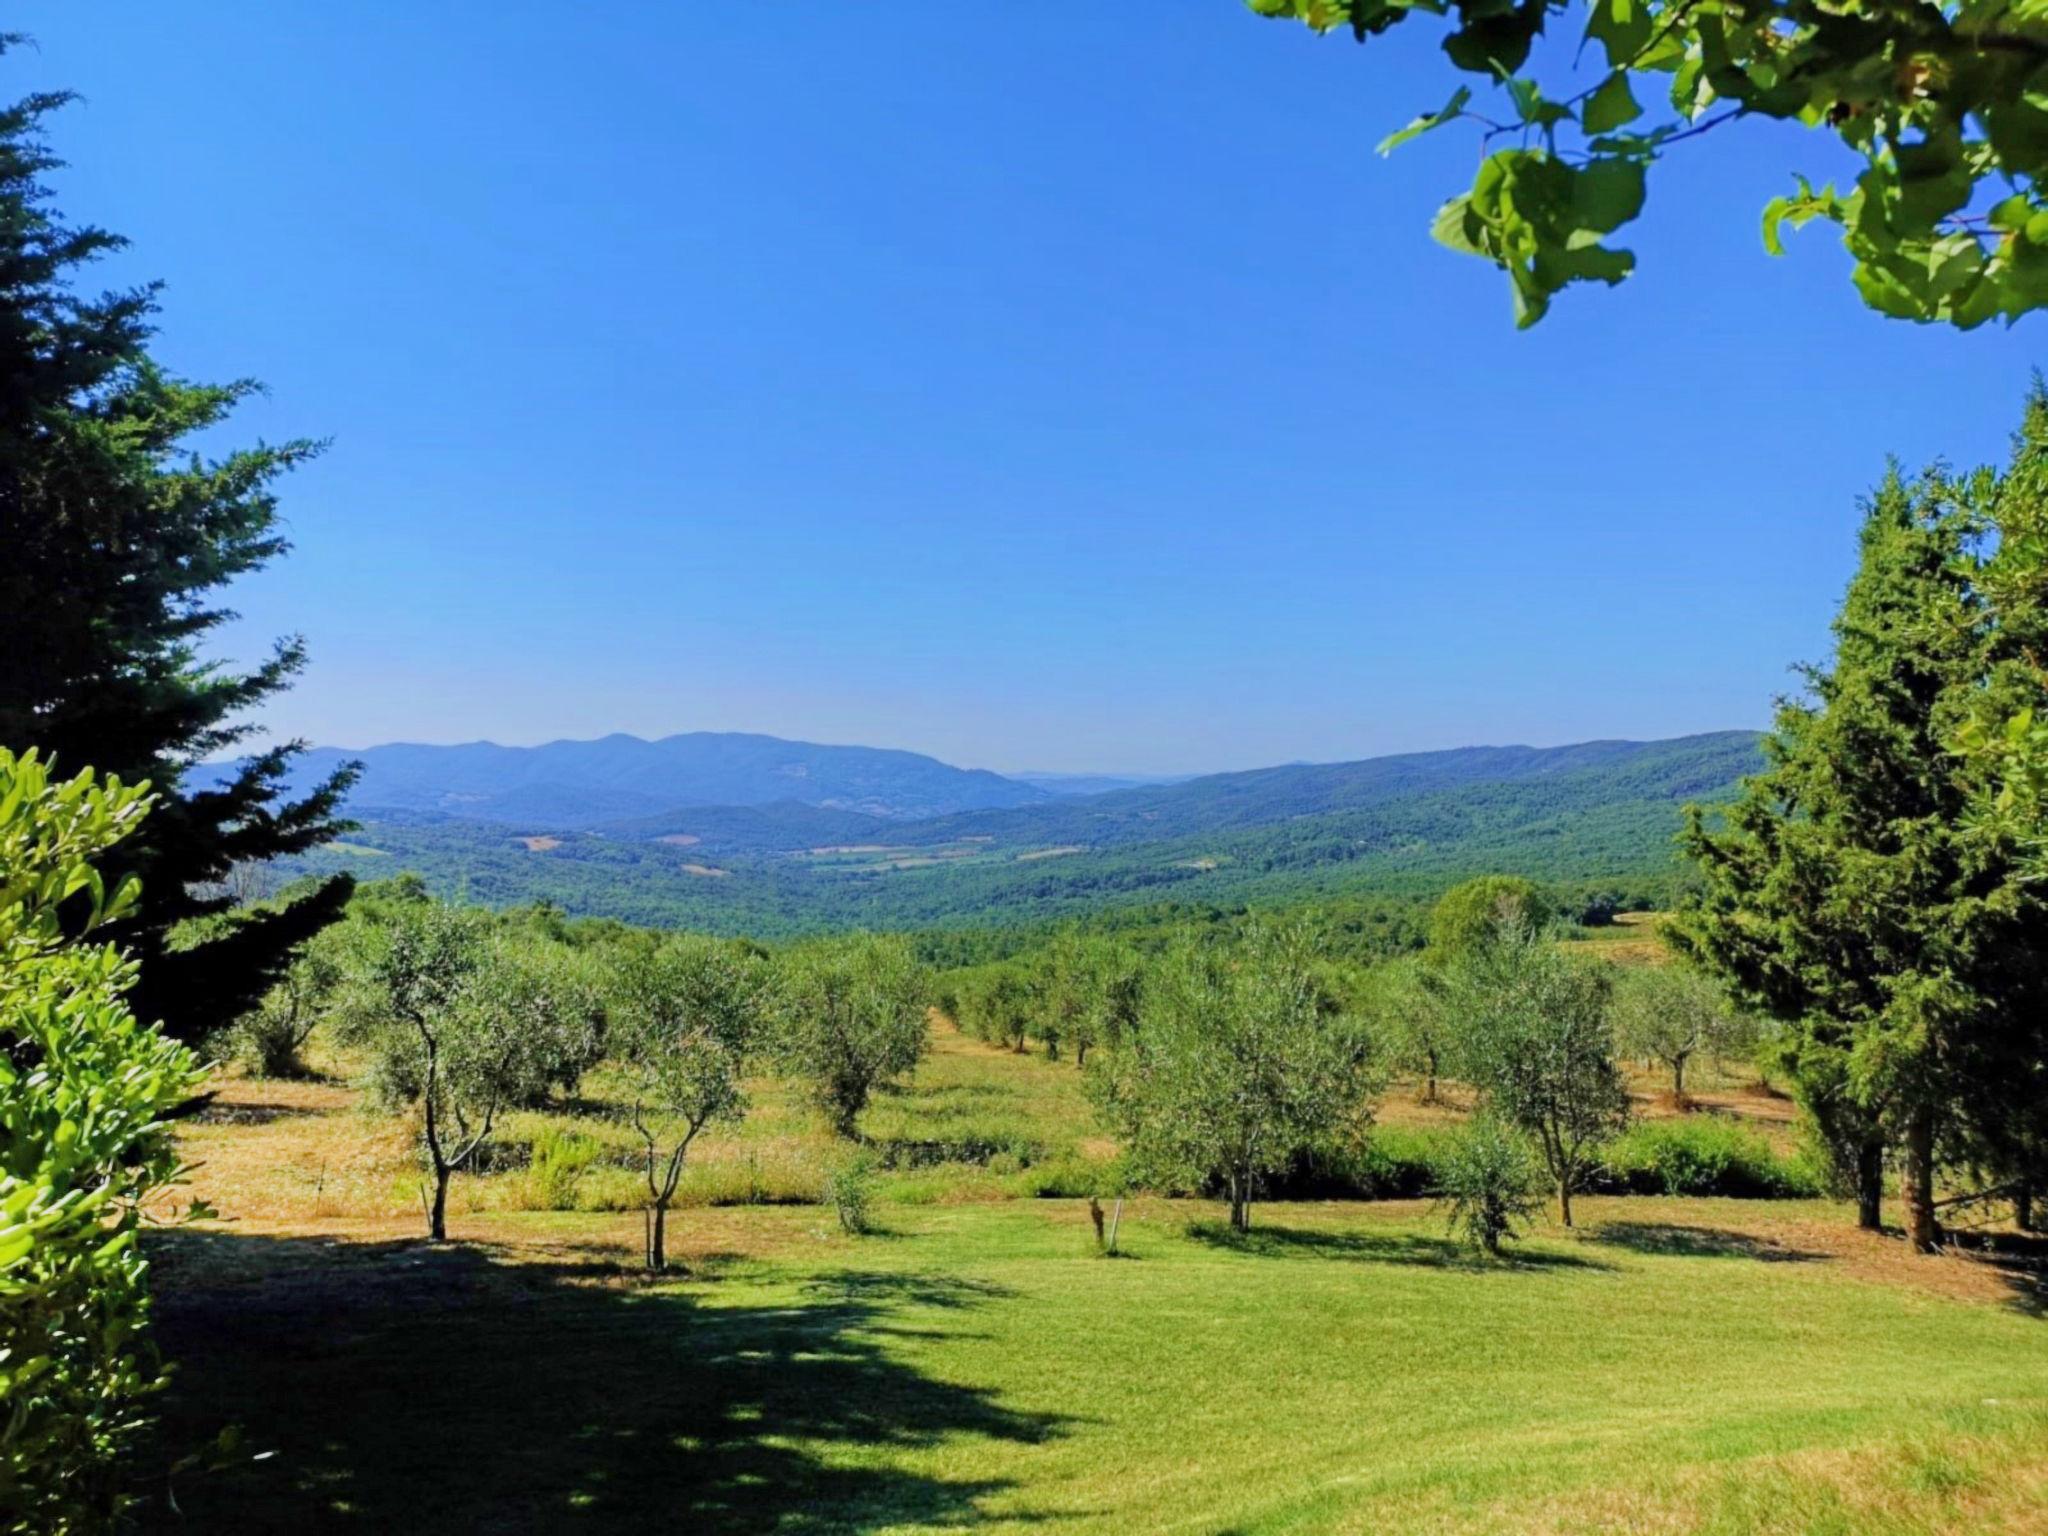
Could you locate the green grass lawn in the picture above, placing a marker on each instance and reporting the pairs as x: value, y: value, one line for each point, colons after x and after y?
x: 1675, y: 1365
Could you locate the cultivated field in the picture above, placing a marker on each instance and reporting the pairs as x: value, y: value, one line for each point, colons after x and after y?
x: 1671, y: 1365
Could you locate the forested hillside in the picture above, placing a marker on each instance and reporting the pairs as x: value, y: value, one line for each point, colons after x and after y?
x: 1601, y: 811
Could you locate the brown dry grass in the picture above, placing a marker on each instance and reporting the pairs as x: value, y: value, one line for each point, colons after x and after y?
x: 1634, y: 938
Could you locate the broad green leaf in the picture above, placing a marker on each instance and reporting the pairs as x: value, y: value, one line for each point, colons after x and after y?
x: 1612, y: 105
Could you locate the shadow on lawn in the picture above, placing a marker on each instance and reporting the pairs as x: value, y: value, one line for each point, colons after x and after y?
x: 1376, y: 1248
x: 416, y: 1389
x: 2020, y: 1259
x: 1673, y: 1240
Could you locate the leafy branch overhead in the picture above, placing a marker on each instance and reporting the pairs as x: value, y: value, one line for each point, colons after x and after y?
x: 1945, y: 104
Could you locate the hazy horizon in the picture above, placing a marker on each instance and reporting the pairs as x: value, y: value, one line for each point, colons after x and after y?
x: 1111, y: 772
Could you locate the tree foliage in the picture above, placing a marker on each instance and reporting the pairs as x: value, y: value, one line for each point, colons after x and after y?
x: 464, y: 1024
x: 1241, y: 1061
x: 851, y: 1017
x: 1856, y: 891
x: 687, y: 1014
x: 1476, y: 912
x: 1539, y: 1045
x: 85, y: 1088
x: 1944, y: 103
x: 118, y: 539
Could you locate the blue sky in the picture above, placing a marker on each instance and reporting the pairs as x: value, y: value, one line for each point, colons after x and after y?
x: 1042, y: 386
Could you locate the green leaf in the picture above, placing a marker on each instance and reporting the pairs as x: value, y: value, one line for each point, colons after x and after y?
x: 1608, y: 193
x: 1622, y: 27
x: 1610, y: 106
x: 1452, y: 223
x: 1427, y: 121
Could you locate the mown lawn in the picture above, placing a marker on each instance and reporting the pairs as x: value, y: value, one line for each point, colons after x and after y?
x: 1675, y: 1365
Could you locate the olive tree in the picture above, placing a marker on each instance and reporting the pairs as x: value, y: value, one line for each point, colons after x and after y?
x: 460, y: 1023
x: 997, y: 1002
x: 1407, y: 1003
x: 1671, y: 1014
x: 1539, y: 1045
x: 270, y: 1037
x: 1063, y: 994
x: 851, y: 1018
x: 1242, y: 1059
x: 1487, y: 1181
x: 685, y: 1017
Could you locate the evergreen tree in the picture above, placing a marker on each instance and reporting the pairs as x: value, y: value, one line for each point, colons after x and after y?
x: 1851, y: 894
x: 2005, y: 748
x: 118, y: 538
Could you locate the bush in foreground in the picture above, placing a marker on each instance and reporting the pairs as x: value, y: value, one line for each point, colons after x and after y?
x: 84, y: 1090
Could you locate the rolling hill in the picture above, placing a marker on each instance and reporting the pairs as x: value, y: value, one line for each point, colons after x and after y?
x: 1594, y: 812
x: 569, y: 784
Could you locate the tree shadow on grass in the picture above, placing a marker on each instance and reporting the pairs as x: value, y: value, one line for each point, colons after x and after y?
x: 215, y: 1111
x: 2020, y: 1259
x: 419, y: 1389
x: 1674, y: 1240
x: 1377, y: 1248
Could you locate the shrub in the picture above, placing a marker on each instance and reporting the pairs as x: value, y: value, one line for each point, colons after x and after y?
x: 560, y: 1159
x: 850, y: 1191
x: 1704, y: 1155
x: 1395, y: 1163
x: 1487, y: 1180
x: 1071, y: 1177
x: 84, y: 1089
x: 267, y: 1039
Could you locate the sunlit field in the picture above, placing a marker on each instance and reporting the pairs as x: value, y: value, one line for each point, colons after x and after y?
x: 1669, y: 1365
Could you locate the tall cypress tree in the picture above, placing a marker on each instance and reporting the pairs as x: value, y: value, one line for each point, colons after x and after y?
x: 115, y: 539
x: 1849, y: 891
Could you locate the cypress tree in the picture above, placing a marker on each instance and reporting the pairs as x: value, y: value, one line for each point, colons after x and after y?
x: 1849, y: 890
x: 118, y: 538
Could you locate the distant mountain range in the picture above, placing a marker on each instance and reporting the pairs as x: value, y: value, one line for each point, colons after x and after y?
x: 771, y: 838
x: 568, y: 784
x: 1095, y: 783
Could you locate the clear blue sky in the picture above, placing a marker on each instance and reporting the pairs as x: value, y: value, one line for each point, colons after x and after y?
x: 1037, y: 385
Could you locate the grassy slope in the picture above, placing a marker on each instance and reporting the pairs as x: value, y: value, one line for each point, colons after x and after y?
x: 1343, y: 1371
x: 1674, y: 1365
